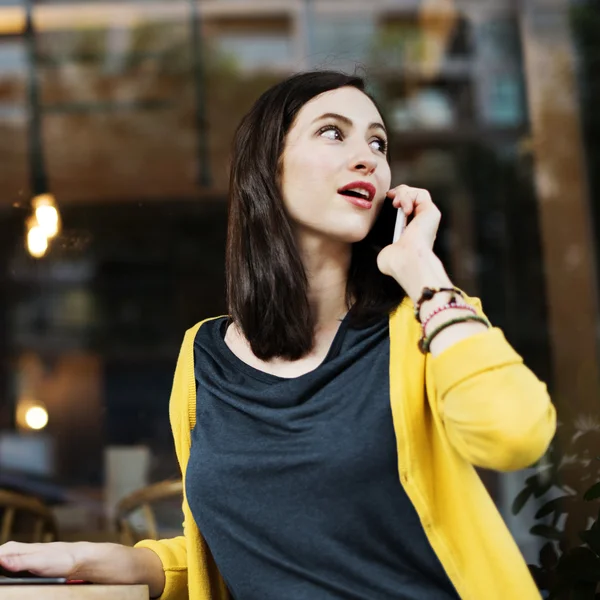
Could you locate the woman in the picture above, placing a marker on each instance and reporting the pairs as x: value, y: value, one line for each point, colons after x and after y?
x: 327, y: 429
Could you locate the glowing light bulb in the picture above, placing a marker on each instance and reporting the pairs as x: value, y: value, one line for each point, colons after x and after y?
x: 37, y: 241
x: 46, y: 214
x: 47, y: 217
x: 36, y: 417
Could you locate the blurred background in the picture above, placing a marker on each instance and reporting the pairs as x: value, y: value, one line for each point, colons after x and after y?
x: 116, y: 119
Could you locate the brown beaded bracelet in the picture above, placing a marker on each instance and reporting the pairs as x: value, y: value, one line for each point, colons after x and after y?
x: 429, y: 293
x: 425, y: 342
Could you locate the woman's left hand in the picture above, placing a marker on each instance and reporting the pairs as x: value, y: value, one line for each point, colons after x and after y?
x: 411, y: 260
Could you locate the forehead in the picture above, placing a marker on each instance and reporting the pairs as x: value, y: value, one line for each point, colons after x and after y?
x: 347, y: 101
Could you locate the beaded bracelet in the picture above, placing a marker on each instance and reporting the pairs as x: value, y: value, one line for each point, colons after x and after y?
x: 444, y: 307
x: 425, y: 341
x: 429, y: 293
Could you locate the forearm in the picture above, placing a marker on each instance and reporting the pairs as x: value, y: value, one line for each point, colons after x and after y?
x: 496, y: 412
x: 116, y: 564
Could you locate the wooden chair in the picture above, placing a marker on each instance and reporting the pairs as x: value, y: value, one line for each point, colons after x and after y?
x: 25, y: 518
x: 145, y: 500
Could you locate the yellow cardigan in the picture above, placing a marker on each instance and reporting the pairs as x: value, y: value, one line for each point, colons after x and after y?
x: 475, y: 404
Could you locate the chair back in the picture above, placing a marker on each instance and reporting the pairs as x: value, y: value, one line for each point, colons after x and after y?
x: 145, y: 503
x: 25, y: 518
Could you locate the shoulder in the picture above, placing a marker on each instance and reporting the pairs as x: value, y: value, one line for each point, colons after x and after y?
x: 183, y: 392
x: 185, y: 360
x: 192, y: 332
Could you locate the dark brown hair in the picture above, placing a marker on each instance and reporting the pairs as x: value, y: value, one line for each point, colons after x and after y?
x: 266, y: 282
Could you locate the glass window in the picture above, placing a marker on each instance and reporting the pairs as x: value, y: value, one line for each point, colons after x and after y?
x: 503, y: 105
x: 340, y: 41
x: 123, y: 115
x: 252, y: 51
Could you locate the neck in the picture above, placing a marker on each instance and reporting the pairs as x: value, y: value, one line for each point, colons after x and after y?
x: 326, y: 263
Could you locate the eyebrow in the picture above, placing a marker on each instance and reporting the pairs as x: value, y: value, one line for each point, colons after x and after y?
x: 347, y: 121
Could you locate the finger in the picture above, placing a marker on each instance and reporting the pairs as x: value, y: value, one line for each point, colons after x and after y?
x: 427, y: 221
x: 404, y: 198
x: 23, y: 557
x: 412, y: 199
x: 11, y: 549
x: 393, y: 196
x: 416, y: 196
x: 422, y: 200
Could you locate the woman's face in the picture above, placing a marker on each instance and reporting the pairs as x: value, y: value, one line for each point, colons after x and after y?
x: 335, y: 172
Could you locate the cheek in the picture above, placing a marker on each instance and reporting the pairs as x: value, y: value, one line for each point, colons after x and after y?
x: 386, y: 176
x: 306, y: 170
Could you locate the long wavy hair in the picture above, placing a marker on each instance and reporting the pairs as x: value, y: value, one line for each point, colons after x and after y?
x: 267, y: 286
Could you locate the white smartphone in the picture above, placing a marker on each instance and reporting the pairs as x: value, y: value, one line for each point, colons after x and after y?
x: 400, y: 223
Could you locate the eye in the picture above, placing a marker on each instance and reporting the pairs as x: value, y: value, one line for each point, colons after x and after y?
x: 331, y: 132
x: 381, y: 145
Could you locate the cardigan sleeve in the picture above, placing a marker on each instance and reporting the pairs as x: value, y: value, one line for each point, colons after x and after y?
x: 173, y: 552
x: 173, y: 555
x: 496, y: 412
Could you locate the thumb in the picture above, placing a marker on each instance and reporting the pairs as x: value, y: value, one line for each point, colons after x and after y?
x: 384, y: 260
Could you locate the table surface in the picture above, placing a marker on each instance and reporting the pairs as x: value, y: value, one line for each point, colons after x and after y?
x: 74, y: 592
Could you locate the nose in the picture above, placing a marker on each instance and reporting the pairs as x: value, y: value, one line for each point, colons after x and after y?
x: 363, y: 162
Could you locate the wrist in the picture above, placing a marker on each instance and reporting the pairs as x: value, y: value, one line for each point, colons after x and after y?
x: 429, y: 307
x: 85, y: 556
x: 437, y: 310
x: 148, y: 570
x: 106, y: 563
x: 421, y: 269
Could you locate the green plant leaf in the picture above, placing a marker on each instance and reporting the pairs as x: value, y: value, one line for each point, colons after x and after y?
x: 579, y: 565
x: 593, y: 493
x: 543, y: 579
x: 546, y: 531
x: 576, y: 522
x: 520, y: 500
x: 541, y: 488
x: 551, y: 507
x: 538, y: 485
x: 558, y: 592
x: 591, y: 537
x: 584, y: 591
x: 548, y: 556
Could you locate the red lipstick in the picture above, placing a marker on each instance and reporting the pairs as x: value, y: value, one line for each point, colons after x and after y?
x: 359, y: 193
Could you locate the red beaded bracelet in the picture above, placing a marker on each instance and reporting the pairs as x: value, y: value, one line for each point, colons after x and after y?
x: 444, y: 307
x: 429, y: 293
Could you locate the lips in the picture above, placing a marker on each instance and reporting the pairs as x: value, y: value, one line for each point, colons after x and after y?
x: 361, y: 190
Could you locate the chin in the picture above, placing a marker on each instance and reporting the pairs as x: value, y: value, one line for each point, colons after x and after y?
x: 346, y: 231
x: 357, y: 230
x: 351, y: 235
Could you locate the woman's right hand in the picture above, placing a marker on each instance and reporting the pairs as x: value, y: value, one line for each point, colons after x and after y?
x: 96, y: 563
